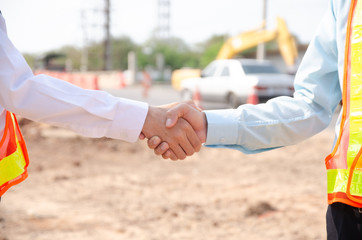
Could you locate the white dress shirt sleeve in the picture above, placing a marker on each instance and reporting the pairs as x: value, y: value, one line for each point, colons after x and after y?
x: 286, y: 120
x: 49, y: 100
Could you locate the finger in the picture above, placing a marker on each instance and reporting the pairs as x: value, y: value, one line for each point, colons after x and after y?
x: 188, y: 149
x: 153, y: 142
x: 168, y: 154
x: 173, y: 156
x: 194, y: 140
x: 142, y: 136
x: 179, y: 152
x: 186, y: 144
x: 190, y: 140
x: 162, y: 148
x: 175, y: 113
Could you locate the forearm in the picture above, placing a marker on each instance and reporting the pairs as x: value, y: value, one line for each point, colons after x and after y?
x: 254, y: 128
x: 89, y: 113
x: 46, y: 99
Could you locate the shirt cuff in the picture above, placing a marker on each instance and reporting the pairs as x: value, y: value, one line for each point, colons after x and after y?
x: 222, y: 127
x: 128, y: 121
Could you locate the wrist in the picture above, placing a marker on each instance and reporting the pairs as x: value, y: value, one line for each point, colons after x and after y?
x: 150, y: 120
x: 203, y: 133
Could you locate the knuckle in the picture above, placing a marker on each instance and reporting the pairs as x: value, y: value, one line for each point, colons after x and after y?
x: 153, y: 142
x: 164, y: 147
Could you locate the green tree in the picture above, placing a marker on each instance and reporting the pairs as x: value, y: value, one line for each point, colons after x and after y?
x: 210, y: 49
x: 120, y: 49
x: 175, y: 51
x: 95, y: 57
x: 73, y: 54
x: 30, y: 59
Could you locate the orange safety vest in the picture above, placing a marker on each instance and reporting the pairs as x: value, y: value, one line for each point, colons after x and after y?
x: 344, y: 164
x: 13, y: 155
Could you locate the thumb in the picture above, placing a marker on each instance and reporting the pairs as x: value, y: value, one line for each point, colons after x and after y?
x: 173, y: 114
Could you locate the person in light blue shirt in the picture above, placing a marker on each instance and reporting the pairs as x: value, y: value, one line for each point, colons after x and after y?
x: 284, y: 121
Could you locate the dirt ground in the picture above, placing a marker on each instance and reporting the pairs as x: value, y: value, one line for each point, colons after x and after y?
x: 92, y: 189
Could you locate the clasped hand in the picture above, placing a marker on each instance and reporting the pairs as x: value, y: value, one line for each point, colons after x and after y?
x: 175, y: 130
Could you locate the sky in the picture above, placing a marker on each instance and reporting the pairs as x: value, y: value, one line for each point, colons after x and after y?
x: 37, y: 26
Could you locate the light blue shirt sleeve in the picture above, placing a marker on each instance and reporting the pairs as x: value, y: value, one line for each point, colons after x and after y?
x: 285, y: 121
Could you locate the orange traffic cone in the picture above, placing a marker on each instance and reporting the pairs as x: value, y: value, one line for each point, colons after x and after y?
x: 196, y: 98
x: 122, y: 82
x: 95, y: 82
x: 253, y: 98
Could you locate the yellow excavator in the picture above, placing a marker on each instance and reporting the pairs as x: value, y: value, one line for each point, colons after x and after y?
x: 244, y: 41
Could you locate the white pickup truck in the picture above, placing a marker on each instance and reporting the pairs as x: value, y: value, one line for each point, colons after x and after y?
x: 234, y: 81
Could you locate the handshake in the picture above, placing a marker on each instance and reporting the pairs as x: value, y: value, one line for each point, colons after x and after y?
x: 175, y: 130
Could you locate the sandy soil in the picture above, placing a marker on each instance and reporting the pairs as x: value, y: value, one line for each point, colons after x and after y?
x: 89, y: 189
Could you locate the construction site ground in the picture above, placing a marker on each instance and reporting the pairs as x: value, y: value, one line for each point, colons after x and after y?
x: 91, y: 189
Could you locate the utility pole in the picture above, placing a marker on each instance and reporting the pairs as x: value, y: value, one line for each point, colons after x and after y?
x: 164, y: 15
x: 84, y: 56
x: 107, y: 40
x: 163, y: 32
x: 260, y: 51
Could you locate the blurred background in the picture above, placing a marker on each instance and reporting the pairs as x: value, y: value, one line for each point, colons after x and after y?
x: 217, y: 53
x: 159, y: 36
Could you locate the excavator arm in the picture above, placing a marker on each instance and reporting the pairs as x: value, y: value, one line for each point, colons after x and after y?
x: 247, y: 40
x: 244, y: 41
x: 287, y: 45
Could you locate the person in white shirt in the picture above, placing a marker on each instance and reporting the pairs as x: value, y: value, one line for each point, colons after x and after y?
x: 89, y: 113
